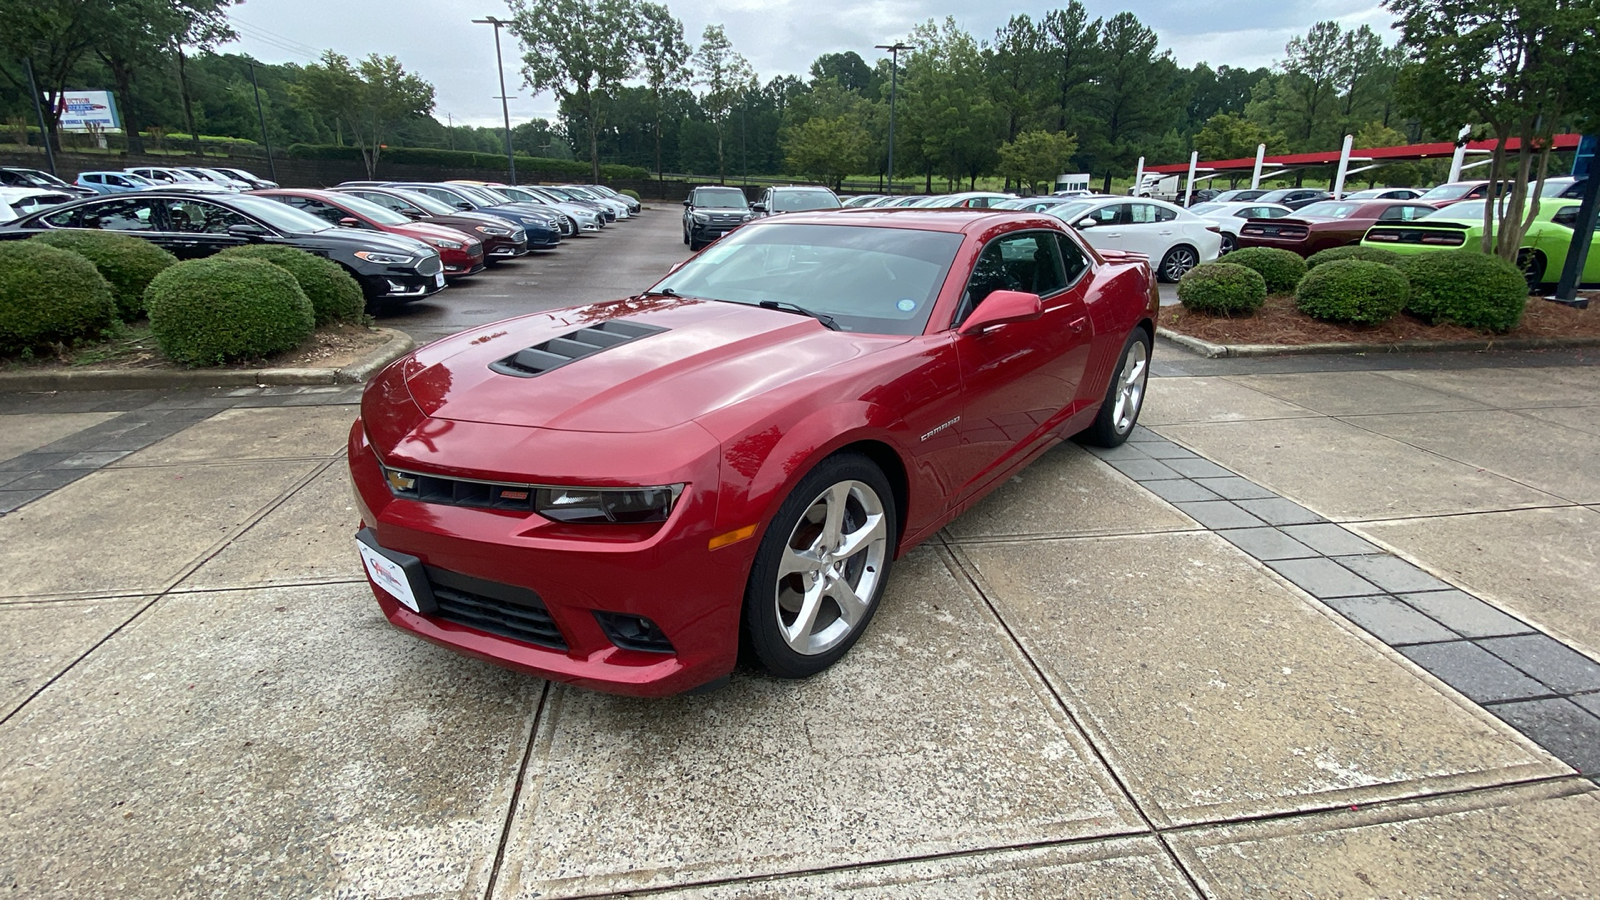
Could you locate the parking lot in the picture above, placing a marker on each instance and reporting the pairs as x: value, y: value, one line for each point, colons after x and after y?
x: 1325, y: 627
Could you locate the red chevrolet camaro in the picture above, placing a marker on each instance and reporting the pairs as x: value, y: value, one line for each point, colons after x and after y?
x: 605, y: 495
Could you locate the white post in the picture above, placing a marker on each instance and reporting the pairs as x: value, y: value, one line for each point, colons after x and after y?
x: 1188, y: 189
x: 1138, y: 177
x: 1255, y: 178
x: 1344, y: 166
x: 1460, y: 154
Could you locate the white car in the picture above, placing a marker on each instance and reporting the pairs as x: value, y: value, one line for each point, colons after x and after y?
x: 1175, y: 239
x: 18, y: 202
x: 1034, y: 204
x: 586, y: 218
x: 1229, y: 216
x: 583, y: 194
x: 967, y: 199
x: 174, y: 179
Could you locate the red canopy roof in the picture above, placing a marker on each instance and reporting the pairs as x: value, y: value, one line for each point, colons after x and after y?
x: 1329, y: 158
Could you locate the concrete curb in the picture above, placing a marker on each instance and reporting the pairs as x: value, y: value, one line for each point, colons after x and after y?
x: 398, y: 344
x: 1220, y: 351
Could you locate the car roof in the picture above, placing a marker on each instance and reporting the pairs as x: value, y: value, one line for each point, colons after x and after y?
x: 800, y: 187
x: 953, y: 220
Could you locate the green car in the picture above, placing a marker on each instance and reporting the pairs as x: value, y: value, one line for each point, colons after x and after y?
x: 1544, y: 247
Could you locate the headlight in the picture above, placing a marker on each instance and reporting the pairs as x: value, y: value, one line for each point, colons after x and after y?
x: 491, y: 229
x: 601, y: 506
x: 701, y: 217
x: 444, y: 244
x: 382, y: 259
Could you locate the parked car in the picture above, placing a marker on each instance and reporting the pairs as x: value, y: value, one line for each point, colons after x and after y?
x: 1328, y: 224
x: 710, y: 212
x: 610, y: 495
x: 860, y: 200
x: 114, y: 182
x: 1035, y: 204
x: 20, y: 201
x: 1294, y: 198
x: 623, y: 209
x: 1230, y: 217
x: 460, y: 252
x: 1457, y: 191
x: 633, y: 205
x: 218, y: 177
x: 502, y: 239
x: 1384, y: 193
x: 896, y: 202
x: 1073, y: 192
x: 1238, y: 195
x: 544, y: 228
x: 583, y: 218
x: 1173, y: 238
x: 390, y: 269
x: 22, y: 177
x: 1204, y: 195
x: 178, y: 180
x: 256, y: 183
x: 1564, y: 187
x: 1460, y: 226
x: 794, y: 198
x: 965, y: 200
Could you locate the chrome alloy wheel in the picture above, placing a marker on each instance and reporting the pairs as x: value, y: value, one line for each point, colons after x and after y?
x: 1179, y: 260
x: 1130, y: 387
x: 831, y: 567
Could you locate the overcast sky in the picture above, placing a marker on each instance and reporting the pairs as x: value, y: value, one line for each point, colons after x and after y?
x: 437, y: 40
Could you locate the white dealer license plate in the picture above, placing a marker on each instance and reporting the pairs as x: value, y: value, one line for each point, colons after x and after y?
x: 438, y: 280
x: 387, y: 574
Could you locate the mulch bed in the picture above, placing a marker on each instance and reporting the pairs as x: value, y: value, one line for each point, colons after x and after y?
x: 332, y: 346
x: 1278, y: 322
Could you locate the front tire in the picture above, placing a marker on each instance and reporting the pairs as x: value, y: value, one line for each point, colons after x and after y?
x: 1119, y: 410
x: 1532, y: 263
x: 821, y: 567
x: 1178, y: 260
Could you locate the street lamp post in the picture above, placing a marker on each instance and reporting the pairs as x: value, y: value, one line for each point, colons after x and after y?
x: 44, y: 129
x: 511, y: 159
x: 255, y: 86
x: 894, y: 75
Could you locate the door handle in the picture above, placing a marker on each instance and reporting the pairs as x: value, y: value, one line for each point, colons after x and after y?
x: 1077, y: 324
x: 1115, y: 234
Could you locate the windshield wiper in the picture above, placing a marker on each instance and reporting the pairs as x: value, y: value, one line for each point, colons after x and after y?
x: 786, y: 306
x: 668, y: 292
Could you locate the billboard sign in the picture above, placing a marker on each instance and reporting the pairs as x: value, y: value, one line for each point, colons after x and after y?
x: 78, y: 109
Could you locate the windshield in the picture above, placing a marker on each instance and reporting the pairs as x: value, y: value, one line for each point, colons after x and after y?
x: 279, y: 215
x: 380, y: 214
x: 583, y: 193
x: 1329, y: 209
x: 1450, y: 191
x: 37, y: 178
x: 1276, y: 196
x: 478, y: 195
x: 519, y: 195
x: 1206, y: 209
x: 1071, y: 212
x: 729, y: 199
x: 797, y: 201
x: 875, y: 280
x: 426, y: 203
x: 1466, y: 209
x: 1554, y: 186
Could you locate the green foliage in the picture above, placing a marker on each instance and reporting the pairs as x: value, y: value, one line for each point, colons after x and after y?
x: 127, y: 262
x: 369, y: 98
x: 827, y: 149
x: 1037, y: 156
x: 1466, y: 288
x: 1229, y: 136
x: 204, y: 312
x: 628, y: 192
x: 1222, y: 288
x: 527, y: 166
x: 1370, y: 254
x: 335, y: 296
x: 48, y: 294
x: 1281, y: 268
x: 1352, y: 290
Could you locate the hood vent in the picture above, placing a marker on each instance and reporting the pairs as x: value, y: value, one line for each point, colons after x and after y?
x: 574, y: 345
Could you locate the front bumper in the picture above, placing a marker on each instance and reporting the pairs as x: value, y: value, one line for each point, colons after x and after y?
x: 522, y: 567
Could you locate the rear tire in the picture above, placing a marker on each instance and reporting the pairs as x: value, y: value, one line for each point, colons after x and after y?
x: 1532, y: 263
x: 1119, y: 410
x: 1178, y: 260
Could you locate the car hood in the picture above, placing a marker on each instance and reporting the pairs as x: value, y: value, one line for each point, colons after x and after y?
x: 361, y: 239
x: 421, y: 230
x: 706, y: 356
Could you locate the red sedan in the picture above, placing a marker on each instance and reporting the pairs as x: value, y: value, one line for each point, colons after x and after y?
x: 1327, y: 224
x: 606, y: 495
x: 461, y: 253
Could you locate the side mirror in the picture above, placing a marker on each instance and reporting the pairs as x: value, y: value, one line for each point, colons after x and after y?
x: 1003, y: 307
x: 685, y: 203
x: 759, y: 207
x: 414, y: 214
x: 248, y: 231
x: 350, y: 222
x: 462, y: 204
x: 1085, y: 222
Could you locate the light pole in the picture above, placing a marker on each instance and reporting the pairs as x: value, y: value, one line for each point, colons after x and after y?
x: 511, y: 159
x: 272, y: 167
x: 44, y: 129
x: 894, y: 76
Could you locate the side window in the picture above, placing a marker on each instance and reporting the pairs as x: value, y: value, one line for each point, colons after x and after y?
x: 1114, y: 214
x: 385, y: 200
x: 317, y: 208
x: 67, y: 218
x: 93, y: 179
x: 1567, y: 216
x: 1023, y: 261
x: 1140, y: 214
x: 1165, y: 215
x: 117, y: 180
x: 1393, y: 214
x: 131, y: 214
x: 1074, y: 261
x: 200, y: 217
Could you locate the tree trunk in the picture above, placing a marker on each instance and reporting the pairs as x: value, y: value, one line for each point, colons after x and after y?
x: 594, y: 146
x: 188, y: 104
x: 122, y: 79
x: 722, y: 169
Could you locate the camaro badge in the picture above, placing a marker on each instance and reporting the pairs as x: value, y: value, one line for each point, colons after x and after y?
x: 941, y: 428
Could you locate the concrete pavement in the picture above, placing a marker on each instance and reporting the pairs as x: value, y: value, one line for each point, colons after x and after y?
x: 1316, y: 632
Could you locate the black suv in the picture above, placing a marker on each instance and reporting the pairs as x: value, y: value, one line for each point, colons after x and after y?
x: 711, y: 212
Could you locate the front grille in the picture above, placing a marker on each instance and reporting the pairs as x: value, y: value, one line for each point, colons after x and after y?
x: 501, y: 609
x: 574, y: 345
x: 460, y: 491
x: 518, y: 234
x: 430, y: 265
x: 475, y: 250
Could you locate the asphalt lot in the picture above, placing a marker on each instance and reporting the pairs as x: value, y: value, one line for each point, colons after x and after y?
x: 622, y: 259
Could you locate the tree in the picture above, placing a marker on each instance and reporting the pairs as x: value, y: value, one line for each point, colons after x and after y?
x: 370, y: 98
x: 1131, y: 95
x: 1377, y: 134
x: 949, y: 113
x: 581, y: 51
x: 727, y: 78
x: 849, y: 70
x: 137, y: 35
x: 1037, y: 156
x: 1313, y: 66
x: 55, y: 35
x: 1227, y: 136
x: 1521, y: 68
x: 1017, y: 73
x: 1071, y: 46
x: 665, y: 54
x: 827, y: 149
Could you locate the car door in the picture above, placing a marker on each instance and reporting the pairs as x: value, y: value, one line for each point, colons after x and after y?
x: 1143, y: 230
x: 1019, y: 379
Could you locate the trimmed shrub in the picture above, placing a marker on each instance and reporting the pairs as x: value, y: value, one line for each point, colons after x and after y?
x: 1370, y: 254
x: 129, y: 263
x: 1222, y: 288
x: 1281, y: 269
x: 334, y: 295
x: 630, y: 193
x: 1352, y: 290
x: 204, y: 312
x: 48, y: 294
x: 1466, y: 288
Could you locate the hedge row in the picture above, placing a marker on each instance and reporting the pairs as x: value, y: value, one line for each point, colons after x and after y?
x: 467, y: 159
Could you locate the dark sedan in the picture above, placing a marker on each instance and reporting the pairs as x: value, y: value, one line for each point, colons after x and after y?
x: 1330, y: 223
x: 22, y: 177
x: 1294, y: 198
x: 502, y: 238
x: 390, y: 269
x: 544, y: 227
